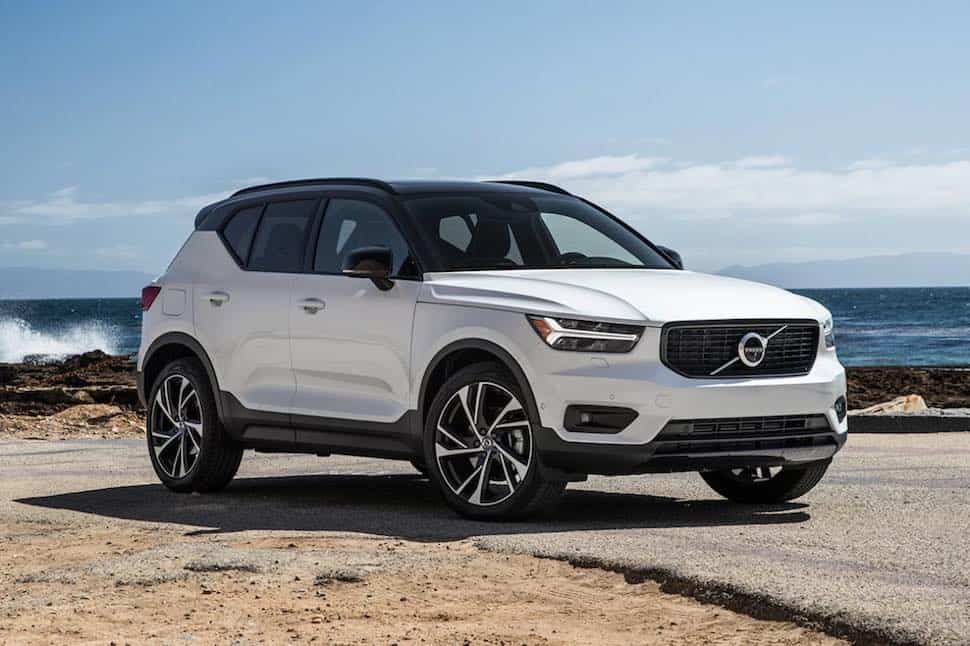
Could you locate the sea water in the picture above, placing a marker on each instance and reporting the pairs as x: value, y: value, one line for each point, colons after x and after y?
x: 925, y: 327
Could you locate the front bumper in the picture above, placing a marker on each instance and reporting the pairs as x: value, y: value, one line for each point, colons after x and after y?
x: 614, y: 459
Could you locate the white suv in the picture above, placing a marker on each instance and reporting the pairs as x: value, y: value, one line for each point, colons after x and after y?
x: 505, y: 337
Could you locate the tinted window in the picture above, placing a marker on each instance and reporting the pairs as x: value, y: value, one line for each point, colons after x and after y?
x: 499, y: 231
x: 281, y: 239
x: 239, y: 232
x: 351, y: 224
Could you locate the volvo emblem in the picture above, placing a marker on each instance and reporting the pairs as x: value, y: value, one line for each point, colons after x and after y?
x: 752, y: 349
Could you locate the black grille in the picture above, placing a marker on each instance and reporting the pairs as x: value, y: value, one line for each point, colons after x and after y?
x: 699, y: 349
x: 733, y: 434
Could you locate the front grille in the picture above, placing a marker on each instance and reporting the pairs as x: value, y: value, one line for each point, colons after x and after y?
x: 733, y: 434
x: 700, y: 349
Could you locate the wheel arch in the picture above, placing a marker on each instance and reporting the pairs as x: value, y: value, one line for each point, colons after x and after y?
x: 170, y: 347
x: 457, y: 355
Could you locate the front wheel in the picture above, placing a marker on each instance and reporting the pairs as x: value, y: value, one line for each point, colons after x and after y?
x: 766, y: 485
x: 189, y: 449
x: 480, y: 450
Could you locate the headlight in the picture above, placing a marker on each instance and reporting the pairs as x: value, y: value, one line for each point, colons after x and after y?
x: 828, y: 331
x: 586, y: 336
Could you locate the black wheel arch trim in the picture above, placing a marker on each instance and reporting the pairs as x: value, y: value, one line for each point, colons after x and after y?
x: 507, y: 360
x: 179, y: 338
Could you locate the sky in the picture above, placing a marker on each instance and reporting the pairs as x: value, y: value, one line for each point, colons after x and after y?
x: 735, y: 133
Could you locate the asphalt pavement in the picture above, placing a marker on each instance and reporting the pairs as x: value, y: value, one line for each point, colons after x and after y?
x: 878, y: 552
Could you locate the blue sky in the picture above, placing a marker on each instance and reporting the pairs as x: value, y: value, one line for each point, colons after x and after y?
x: 737, y: 133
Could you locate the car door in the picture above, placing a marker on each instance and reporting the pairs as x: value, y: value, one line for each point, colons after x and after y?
x: 243, y: 303
x: 350, y: 340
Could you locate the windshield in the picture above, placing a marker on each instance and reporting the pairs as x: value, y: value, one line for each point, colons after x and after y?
x: 494, y: 231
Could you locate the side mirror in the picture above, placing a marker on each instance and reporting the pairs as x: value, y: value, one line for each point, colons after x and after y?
x: 370, y: 262
x: 672, y: 256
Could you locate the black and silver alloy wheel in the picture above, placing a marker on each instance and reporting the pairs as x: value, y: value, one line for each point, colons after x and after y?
x: 480, y: 447
x: 189, y: 448
x: 483, y: 443
x: 766, y: 484
x: 177, y: 426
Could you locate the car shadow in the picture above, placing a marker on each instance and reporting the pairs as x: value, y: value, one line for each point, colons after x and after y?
x: 402, y: 506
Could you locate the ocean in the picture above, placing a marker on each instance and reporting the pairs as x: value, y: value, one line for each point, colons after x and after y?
x: 874, y: 327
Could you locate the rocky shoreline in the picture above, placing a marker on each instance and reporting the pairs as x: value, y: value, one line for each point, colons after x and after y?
x: 97, y: 390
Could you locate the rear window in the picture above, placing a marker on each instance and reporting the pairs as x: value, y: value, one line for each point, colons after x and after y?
x: 281, y: 239
x: 239, y: 232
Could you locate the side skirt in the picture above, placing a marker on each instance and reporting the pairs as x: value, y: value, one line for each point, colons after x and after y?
x: 285, y: 433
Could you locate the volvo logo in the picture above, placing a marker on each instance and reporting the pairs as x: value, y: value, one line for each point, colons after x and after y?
x: 752, y: 349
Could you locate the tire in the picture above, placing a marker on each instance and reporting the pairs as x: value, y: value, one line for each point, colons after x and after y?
x: 749, y: 485
x: 499, y: 467
x: 190, y: 430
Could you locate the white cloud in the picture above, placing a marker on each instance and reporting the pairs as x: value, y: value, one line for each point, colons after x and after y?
x: 64, y: 205
x: 648, y: 183
x: 870, y: 164
x: 27, y: 245
x: 605, y: 166
x: 763, y: 161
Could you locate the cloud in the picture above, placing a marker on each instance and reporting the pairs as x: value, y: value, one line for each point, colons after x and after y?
x: 26, y: 245
x: 762, y: 183
x: 762, y: 161
x: 65, y: 205
x: 605, y: 166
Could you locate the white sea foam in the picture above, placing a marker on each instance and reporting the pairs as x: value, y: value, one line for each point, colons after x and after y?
x: 18, y: 340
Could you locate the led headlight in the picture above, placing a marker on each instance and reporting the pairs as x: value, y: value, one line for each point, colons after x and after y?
x: 586, y: 336
x: 828, y: 331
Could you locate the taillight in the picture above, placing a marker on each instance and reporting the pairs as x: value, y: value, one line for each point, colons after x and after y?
x: 148, y: 296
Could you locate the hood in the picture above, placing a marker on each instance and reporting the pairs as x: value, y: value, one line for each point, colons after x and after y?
x: 653, y: 296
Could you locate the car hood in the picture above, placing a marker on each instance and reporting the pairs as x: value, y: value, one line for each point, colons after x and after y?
x: 653, y: 296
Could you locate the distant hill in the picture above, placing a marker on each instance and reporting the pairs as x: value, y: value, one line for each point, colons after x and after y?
x: 907, y: 270
x: 21, y: 282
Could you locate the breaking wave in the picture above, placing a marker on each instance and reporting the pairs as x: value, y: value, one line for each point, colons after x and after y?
x: 18, y: 340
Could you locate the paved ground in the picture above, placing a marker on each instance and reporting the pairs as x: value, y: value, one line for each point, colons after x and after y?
x: 880, y: 550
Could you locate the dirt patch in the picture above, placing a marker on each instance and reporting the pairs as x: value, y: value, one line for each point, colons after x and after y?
x: 81, y: 421
x: 130, y: 583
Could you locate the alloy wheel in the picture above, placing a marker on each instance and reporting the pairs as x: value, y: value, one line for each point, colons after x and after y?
x: 483, y: 443
x: 176, y: 432
x: 753, y: 475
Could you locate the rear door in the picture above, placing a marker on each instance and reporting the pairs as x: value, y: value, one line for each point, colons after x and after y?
x: 351, y: 342
x: 243, y: 303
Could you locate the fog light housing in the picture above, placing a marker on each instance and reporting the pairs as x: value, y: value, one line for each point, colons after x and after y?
x: 841, y: 409
x: 598, y: 419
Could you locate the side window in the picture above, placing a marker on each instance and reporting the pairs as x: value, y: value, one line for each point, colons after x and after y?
x: 281, y: 239
x: 351, y: 224
x: 239, y: 232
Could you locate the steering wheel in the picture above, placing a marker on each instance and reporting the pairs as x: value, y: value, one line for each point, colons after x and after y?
x: 572, y: 258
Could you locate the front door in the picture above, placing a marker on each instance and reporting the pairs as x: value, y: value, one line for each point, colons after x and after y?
x: 350, y: 341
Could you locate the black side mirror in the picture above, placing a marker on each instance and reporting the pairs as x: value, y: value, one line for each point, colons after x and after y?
x: 672, y: 256
x: 370, y: 262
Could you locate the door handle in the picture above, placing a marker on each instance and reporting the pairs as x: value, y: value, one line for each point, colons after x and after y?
x: 217, y: 299
x: 312, y: 305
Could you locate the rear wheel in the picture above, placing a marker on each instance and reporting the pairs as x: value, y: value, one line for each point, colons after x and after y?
x: 480, y: 450
x: 189, y: 449
x: 764, y: 485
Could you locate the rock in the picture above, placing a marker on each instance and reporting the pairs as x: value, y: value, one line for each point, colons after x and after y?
x: 82, y: 397
x: 91, y: 414
x: 904, y: 404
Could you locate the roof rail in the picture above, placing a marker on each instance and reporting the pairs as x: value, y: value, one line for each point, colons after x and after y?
x: 360, y: 181
x: 552, y: 188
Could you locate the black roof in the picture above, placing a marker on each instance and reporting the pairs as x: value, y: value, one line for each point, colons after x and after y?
x: 402, y: 187
x: 411, y: 186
